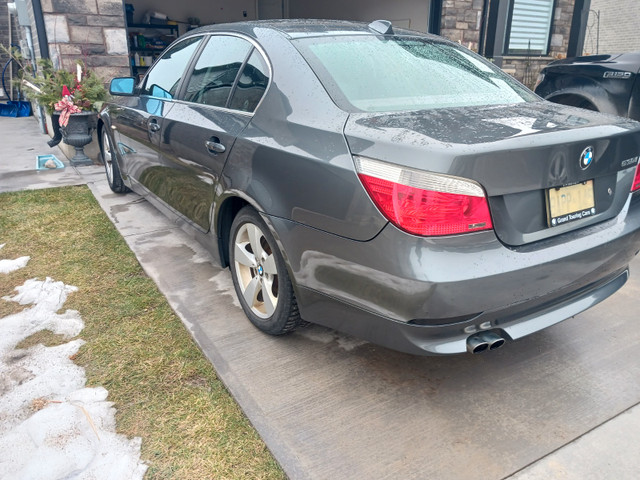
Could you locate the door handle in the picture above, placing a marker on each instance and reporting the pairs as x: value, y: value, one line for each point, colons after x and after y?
x: 153, y: 126
x: 214, y: 146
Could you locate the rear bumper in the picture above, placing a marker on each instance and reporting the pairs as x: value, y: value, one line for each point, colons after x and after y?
x: 448, y: 339
x: 426, y: 296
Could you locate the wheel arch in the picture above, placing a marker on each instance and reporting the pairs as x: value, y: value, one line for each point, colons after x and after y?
x: 103, y: 122
x: 99, y: 129
x: 103, y: 125
x: 573, y: 100
x: 225, y: 214
x: 591, y: 94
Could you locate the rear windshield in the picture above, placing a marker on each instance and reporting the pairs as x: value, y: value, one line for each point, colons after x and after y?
x: 380, y: 74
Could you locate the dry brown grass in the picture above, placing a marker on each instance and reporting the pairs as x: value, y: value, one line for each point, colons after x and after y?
x: 164, y: 389
x: 43, y: 337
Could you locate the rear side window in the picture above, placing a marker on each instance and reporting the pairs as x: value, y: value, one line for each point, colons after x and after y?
x: 163, y: 79
x: 216, y: 70
x: 251, y: 84
x: 373, y: 74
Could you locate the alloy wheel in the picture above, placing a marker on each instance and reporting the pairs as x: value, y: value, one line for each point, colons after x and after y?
x: 256, y: 270
x: 107, y: 157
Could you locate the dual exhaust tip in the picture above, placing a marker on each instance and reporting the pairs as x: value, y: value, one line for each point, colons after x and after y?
x: 483, y: 341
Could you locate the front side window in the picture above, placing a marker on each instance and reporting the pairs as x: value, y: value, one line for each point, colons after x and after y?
x: 163, y: 79
x: 374, y: 74
x: 216, y: 70
x: 529, y: 27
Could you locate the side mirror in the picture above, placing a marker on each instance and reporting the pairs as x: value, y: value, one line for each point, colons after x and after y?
x: 122, y: 86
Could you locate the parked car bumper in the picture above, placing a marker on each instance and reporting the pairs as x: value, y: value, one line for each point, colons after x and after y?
x: 431, y: 295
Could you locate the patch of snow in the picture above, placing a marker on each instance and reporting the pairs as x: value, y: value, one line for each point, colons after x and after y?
x: 51, y: 425
x: 8, y: 266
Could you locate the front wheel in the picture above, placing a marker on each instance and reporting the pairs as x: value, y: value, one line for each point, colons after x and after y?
x: 260, y: 276
x: 111, y: 165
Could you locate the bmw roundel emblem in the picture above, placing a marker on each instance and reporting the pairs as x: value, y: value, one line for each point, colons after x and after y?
x: 586, y: 158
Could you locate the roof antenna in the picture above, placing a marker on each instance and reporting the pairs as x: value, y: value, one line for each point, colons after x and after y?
x: 382, y: 27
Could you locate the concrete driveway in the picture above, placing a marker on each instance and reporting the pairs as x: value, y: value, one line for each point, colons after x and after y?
x: 562, y: 403
x: 334, y: 407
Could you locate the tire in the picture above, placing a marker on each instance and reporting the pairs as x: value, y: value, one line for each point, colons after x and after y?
x: 587, y: 105
x: 111, y: 165
x: 261, y: 281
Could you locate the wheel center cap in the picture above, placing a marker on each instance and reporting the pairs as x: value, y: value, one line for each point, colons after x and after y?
x: 260, y: 270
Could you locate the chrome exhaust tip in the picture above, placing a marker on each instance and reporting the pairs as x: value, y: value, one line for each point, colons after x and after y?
x: 483, y: 341
x: 476, y: 344
x: 495, y: 341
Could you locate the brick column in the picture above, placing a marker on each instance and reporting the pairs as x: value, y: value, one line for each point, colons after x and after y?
x: 461, y: 22
x: 89, y: 30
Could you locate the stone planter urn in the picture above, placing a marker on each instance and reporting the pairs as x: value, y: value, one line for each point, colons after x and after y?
x: 78, y: 133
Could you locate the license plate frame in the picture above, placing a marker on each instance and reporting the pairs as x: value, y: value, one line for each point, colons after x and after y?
x: 570, y: 203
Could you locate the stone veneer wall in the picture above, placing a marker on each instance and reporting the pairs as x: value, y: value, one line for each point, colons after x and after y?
x: 90, y: 30
x: 461, y: 23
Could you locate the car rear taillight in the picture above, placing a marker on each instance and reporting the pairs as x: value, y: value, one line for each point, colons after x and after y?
x: 424, y: 203
x: 636, y: 180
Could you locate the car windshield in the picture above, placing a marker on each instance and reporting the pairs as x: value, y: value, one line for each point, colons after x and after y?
x: 374, y: 73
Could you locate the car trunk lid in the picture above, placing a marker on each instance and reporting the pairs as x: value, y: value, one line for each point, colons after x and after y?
x: 528, y: 157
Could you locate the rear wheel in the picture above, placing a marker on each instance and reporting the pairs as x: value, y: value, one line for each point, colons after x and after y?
x: 260, y: 276
x: 111, y: 165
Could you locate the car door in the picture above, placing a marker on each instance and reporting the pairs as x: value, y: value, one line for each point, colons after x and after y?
x: 200, y: 129
x: 139, y: 120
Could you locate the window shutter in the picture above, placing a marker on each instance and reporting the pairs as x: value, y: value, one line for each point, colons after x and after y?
x: 530, y: 26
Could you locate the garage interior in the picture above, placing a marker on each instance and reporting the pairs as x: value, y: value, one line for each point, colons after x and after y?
x: 412, y: 14
x: 171, y: 18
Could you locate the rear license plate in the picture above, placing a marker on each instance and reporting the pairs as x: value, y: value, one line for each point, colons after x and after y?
x: 567, y: 204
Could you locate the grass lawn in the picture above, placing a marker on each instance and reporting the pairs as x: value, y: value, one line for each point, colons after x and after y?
x: 164, y: 389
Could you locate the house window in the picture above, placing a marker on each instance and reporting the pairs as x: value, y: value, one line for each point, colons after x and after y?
x: 529, y: 27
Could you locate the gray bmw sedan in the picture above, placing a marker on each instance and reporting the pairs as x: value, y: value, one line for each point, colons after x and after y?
x: 385, y: 183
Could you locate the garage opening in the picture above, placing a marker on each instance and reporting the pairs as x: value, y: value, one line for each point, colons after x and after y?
x: 153, y: 24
